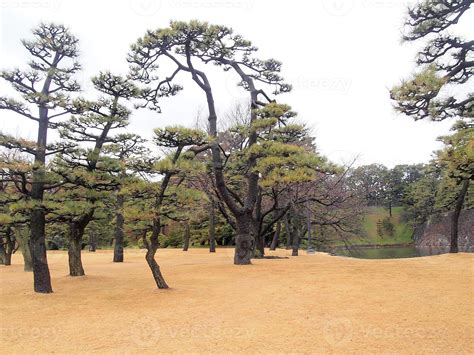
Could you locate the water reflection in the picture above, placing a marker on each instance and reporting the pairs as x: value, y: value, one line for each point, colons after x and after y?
x: 393, y: 252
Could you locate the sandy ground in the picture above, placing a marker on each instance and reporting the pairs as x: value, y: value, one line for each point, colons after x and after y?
x: 309, y: 304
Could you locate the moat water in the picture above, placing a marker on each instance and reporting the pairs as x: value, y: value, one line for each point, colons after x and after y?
x: 392, y: 252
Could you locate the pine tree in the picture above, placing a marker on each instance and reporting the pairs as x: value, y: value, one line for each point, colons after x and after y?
x: 184, y: 44
x: 128, y: 150
x: 44, y: 87
x: 150, y: 201
x: 86, y: 171
x: 445, y: 62
x: 457, y: 158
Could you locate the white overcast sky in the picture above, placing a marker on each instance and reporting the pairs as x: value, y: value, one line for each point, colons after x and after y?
x: 341, y: 56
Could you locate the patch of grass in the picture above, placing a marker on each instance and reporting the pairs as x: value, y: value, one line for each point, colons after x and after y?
x: 402, y: 232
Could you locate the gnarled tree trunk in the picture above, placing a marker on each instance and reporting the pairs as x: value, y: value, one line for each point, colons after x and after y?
x: 455, y: 219
x: 155, y: 269
x: 75, y: 249
x: 244, y: 241
x: 76, y: 233
x: 151, y: 248
x: 245, y: 238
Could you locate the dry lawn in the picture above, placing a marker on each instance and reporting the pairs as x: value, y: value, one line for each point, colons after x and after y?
x: 308, y: 304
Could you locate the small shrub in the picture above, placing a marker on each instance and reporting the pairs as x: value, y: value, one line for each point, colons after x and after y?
x: 388, y: 226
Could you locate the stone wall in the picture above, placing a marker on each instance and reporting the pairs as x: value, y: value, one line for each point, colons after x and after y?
x: 436, y: 232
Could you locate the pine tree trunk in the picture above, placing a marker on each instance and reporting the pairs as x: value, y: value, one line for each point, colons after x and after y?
x: 297, y: 236
x: 37, y: 243
x: 186, y: 236
x: 152, y: 247
x: 155, y: 270
x: 260, y: 246
x: 289, y: 234
x: 22, y: 235
x: 119, y: 234
x: 37, y: 246
x: 296, y: 244
x: 308, y: 227
x: 9, y: 246
x: 276, y: 236
x: 25, y: 251
x: 8, y: 259
x: 212, y: 229
x: 244, y: 241
x: 76, y: 233
x: 456, y: 214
